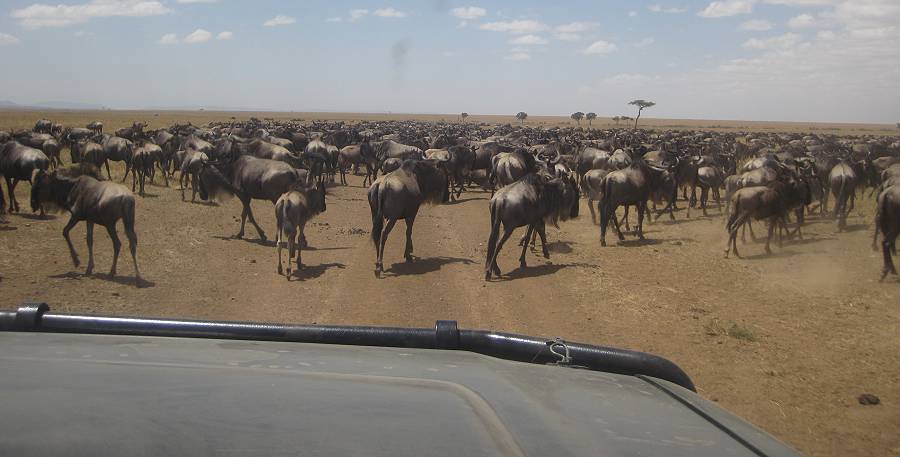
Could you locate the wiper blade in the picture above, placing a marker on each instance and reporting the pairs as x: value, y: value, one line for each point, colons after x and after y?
x: 35, y: 317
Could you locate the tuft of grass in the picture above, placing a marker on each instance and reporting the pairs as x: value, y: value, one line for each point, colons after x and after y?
x: 715, y: 327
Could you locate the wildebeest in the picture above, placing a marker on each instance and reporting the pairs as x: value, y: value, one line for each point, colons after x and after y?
x: 631, y: 185
x: 398, y: 195
x: 43, y: 126
x: 710, y: 179
x: 531, y: 201
x: 843, y: 180
x: 93, y: 201
x: 96, y: 127
x: 249, y: 178
x: 592, y: 186
x: 117, y: 149
x: 887, y: 221
x: 507, y: 167
x: 18, y: 163
x: 770, y: 202
x: 191, y: 163
x: 292, y: 211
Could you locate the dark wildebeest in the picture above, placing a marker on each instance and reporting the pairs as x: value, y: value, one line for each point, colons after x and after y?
x: 347, y: 157
x: 507, y: 167
x: 250, y: 178
x: 398, y: 195
x: 18, y: 163
x: 370, y: 157
x: 710, y: 179
x: 96, y: 202
x: 52, y: 149
x: 43, y: 126
x: 316, y: 155
x: 131, y: 133
x: 292, y: 211
x: 843, y: 180
x: 117, y: 149
x: 770, y: 202
x: 631, y: 185
x: 531, y: 201
x: 887, y: 220
x: 145, y: 157
x: 457, y: 161
x: 592, y: 186
x: 96, y: 127
x: 191, y: 164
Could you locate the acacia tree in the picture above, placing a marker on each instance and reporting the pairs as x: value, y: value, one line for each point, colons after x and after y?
x: 463, y: 116
x: 617, y: 119
x: 577, y: 117
x: 641, y: 104
x: 590, y: 118
x: 521, y: 116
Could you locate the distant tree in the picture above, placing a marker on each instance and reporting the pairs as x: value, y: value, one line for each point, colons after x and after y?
x: 577, y: 117
x: 617, y: 119
x: 590, y: 117
x: 641, y: 104
x: 898, y: 125
x: 521, y: 116
x: 463, y: 116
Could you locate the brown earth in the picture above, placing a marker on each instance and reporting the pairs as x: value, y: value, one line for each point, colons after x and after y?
x: 787, y: 341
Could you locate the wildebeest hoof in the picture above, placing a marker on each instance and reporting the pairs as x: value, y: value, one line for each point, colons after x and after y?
x: 280, y: 270
x: 238, y: 236
x: 546, y: 255
x: 602, y: 242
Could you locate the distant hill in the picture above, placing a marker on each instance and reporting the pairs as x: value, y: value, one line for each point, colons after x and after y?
x: 7, y: 104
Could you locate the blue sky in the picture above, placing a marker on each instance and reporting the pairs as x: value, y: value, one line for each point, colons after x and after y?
x: 802, y: 60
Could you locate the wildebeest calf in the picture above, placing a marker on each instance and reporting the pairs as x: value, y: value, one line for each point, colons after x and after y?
x: 292, y: 210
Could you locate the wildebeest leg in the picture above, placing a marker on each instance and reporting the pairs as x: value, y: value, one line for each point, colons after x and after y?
x: 528, y: 233
x: 11, y: 188
x: 407, y: 252
x: 90, y: 245
x: 590, y: 204
x: 492, y: 244
x: 641, y: 208
x: 379, y: 261
x: 117, y: 246
x: 259, y: 230
x: 507, y: 232
x: 772, y: 222
x: 542, y: 232
x: 886, y: 245
x: 301, y: 237
x: 66, y: 230
x: 704, y: 195
x: 132, y: 246
x: 625, y: 218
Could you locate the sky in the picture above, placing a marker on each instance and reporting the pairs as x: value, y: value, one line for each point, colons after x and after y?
x: 788, y: 60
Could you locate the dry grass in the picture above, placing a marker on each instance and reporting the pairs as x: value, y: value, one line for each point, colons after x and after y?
x: 715, y: 327
x: 13, y: 119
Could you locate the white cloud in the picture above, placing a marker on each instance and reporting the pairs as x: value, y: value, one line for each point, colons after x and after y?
x: 518, y: 27
x: 788, y: 40
x: 826, y: 35
x: 657, y: 8
x: 528, y: 40
x: 279, y: 20
x: 389, y: 12
x: 358, y: 14
x: 197, y: 1
x: 645, y: 42
x: 334, y: 19
x: 799, y: 2
x: 626, y: 79
x: 632, y: 13
x: 725, y: 8
x: 469, y: 12
x: 226, y: 35
x: 600, y: 47
x: 572, y: 31
x: 518, y: 55
x: 7, y: 39
x: 756, y: 25
x: 169, y: 38
x: 42, y: 15
x: 802, y: 21
x: 198, y: 36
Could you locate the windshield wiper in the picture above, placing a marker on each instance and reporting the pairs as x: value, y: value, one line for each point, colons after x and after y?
x: 35, y: 317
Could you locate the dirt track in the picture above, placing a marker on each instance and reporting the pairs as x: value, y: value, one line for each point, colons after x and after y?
x: 787, y: 341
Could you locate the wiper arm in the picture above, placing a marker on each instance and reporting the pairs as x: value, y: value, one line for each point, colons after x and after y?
x: 35, y: 317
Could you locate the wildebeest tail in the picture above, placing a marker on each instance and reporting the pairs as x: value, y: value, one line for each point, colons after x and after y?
x: 376, y: 204
x: 128, y: 213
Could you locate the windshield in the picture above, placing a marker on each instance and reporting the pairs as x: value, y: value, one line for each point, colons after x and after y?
x: 699, y: 180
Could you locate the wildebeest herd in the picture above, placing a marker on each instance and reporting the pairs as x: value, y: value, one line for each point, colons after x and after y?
x: 535, y: 176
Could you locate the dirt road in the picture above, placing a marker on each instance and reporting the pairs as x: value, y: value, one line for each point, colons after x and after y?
x: 787, y: 341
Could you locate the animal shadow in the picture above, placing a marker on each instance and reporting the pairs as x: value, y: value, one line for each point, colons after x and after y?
x: 36, y: 217
x: 266, y: 243
x: 855, y: 227
x: 776, y: 254
x: 534, y: 272
x: 314, y: 271
x: 463, y: 200
x: 421, y: 266
x: 640, y: 242
x: 123, y: 280
x: 562, y: 247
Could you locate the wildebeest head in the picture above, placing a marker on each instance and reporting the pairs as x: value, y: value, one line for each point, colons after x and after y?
x: 51, y: 190
x: 211, y: 182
